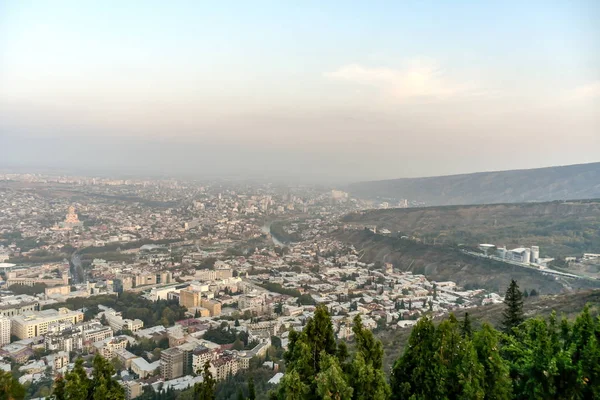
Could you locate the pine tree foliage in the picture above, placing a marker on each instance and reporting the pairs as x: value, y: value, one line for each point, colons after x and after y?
x: 465, y: 328
x: 205, y: 390
x: 417, y: 372
x: 10, y: 388
x: 551, y: 362
x: 305, y: 350
x: 77, y: 386
x: 538, y: 359
x: 366, y: 372
x: 332, y: 383
x: 496, y: 379
x: 513, y: 314
x: 438, y: 363
x: 317, y: 367
x: 461, y: 373
x: 251, y: 390
x: 293, y: 387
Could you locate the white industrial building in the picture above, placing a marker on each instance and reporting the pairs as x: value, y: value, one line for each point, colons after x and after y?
x: 520, y: 254
x: 524, y: 255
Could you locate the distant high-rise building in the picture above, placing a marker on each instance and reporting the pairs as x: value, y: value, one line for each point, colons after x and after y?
x: 189, y: 298
x: 117, y: 286
x: 133, y: 389
x: 338, y: 195
x: 535, y: 254
x: 4, y: 330
x: 171, y: 363
x: 213, y: 306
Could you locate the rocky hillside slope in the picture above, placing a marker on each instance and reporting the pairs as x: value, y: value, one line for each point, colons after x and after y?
x: 442, y: 263
x: 542, y: 184
x: 559, y: 228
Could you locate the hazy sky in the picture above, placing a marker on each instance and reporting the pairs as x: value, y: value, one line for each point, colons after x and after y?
x: 324, y: 89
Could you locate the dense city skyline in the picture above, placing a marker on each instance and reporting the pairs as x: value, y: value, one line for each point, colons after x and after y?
x: 272, y: 200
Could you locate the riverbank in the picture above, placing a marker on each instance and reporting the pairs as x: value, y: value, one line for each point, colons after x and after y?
x: 277, y: 239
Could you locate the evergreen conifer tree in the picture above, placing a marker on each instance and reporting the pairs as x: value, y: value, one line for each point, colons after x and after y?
x: 416, y: 374
x: 306, y: 348
x: 532, y: 361
x: 331, y: 381
x: 366, y: 372
x: 205, y: 390
x: 103, y: 385
x: 460, y: 371
x: 513, y: 312
x: 58, y: 392
x: 251, y: 390
x: 496, y: 382
x: 293, y: 387
x: 77, y: 386
x: 10, y: 388
x: 465, y: 328
x: 342, y: 352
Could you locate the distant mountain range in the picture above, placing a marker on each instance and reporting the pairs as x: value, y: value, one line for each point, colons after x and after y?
x: 570, y: 182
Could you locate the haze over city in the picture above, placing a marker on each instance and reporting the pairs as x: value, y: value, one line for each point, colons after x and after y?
x: 310, y: 200
x: 331, y: 91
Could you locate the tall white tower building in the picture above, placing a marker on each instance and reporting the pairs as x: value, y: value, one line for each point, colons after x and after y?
x: 4, y: 330
x: 535, y: 254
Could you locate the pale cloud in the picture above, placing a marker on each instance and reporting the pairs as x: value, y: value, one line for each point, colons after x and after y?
x: 586, y: 92
x: 419, y: 79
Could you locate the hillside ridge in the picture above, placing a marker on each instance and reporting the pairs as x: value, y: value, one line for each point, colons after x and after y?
x: 578, y: 181
x: 559, y: 228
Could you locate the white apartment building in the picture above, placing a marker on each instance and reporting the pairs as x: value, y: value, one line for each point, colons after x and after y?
x: 107, y: 347
x: 200, y: 356
x: 224, y: 367
x: 118, y: 323
x: 213, y: 275
x: 68, y: 337
x: 32, y: 324
x: 143, y: 368
x: 4, y: 330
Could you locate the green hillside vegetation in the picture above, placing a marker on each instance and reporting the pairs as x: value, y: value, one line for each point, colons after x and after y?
x: 559, y: 228
x: 446, y: 263
x: 564, y: 305
x: 541, y: 184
